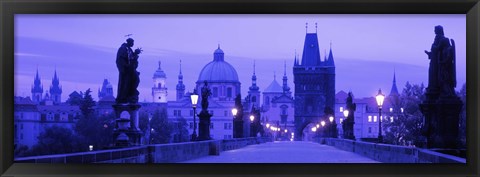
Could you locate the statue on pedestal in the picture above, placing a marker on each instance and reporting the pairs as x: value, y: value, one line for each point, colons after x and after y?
x: 128, y: 79
x: 442, y: 106
x: 127, y: 132
x: 442, y: 74
x: 204, y: 116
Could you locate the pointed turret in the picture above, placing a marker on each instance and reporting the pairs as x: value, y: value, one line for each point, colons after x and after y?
x: 330, y: 61
x: 37, y: 89
x: 394, y: 90
x: 55, y: 89
x: 180, y: 85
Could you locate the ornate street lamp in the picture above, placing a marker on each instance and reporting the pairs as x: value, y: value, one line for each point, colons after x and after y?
x: 149, y: 129
x: 380, y: 98
x: 235, y: 126
x: 345, y: 113
x: 252, y: 130
x: 332, y: 127
x: 194, y: 99
x: 345, y: 122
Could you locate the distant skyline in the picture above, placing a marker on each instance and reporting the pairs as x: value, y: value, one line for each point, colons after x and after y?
x: 366, y: 48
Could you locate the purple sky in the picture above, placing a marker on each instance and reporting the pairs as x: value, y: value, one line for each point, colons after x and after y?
x: 366, y: 48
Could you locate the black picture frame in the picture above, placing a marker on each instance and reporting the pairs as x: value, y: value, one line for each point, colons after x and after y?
x: 9, y: 8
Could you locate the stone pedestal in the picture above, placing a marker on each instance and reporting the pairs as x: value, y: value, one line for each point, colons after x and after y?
x: 441, y: 122
x: 347, y: 126
x: 126, y: 132
x: 204, y: 126
x: 238, y: 128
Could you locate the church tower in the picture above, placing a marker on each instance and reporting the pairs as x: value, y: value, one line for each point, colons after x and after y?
x: 107, y: 90
x: 37, y: 89
x: 253, y: 91
x: 56, y: 90
x: 314, y: 85
x: 159, y: 89
x: 180, y: 85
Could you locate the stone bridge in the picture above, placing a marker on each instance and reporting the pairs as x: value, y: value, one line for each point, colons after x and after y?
x: 255, y: 150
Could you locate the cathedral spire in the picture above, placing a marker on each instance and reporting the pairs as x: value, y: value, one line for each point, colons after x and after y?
x: 253, y: 67
x: 55, y: 89
x: 180, y: 67
x: 254, y: 86
x: 394, y: 90
x: 180, y: 86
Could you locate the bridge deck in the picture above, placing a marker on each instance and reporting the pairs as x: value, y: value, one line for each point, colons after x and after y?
x: 285, y: 152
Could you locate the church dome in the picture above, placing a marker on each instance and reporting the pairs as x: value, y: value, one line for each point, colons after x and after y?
x: 218, y: 70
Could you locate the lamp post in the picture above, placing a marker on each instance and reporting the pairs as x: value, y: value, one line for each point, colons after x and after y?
x: 344, y: 124
x: 235, y: 129
x: 194, y: 99
x: 380, y: 98
x: 252, y: 131
x: 332, y: 127
x: 149, y: 129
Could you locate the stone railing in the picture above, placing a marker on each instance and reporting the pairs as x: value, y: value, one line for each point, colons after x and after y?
x: 387, y: 153
x: 158, y: 153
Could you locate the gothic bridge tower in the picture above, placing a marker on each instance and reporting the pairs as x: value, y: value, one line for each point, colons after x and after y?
x: 314, y: 85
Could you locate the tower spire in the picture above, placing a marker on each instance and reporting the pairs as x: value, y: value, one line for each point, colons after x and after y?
x: 394, y: 90
x: 285, y: 68
x: 253, y: 67
x: 316, y: 27
x: 180, y: 67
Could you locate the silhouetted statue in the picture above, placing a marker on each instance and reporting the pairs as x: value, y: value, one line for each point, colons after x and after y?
x: 441, y: 75
x: 205, y: 94
x: 128, y: 79
x: 350, y: 120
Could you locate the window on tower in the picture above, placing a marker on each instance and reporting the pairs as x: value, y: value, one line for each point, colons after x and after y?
x: 159, y: 85
x: 254, y: 99
x: 215, y: 92
x: 229, y: 92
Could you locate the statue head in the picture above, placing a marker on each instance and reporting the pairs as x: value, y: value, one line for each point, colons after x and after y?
x: 439, y: 30
x: 130, y: 42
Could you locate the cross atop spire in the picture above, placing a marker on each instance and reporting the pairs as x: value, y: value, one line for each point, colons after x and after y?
x: 285, y: 68
x: 274, y: 75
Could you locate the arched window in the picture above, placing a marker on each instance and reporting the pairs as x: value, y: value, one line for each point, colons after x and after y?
x: 254, y: 99
x: 159, y: 85
x: 267, y: 100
